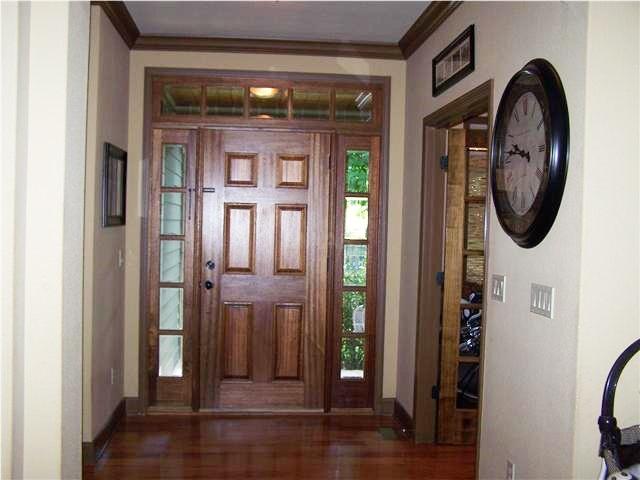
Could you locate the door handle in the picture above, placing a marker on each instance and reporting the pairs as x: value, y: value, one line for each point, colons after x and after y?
x: 208, y: 284
x: 210, y: 264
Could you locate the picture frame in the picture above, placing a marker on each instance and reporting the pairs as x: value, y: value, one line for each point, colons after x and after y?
x: 453, y: 63
x: 114, y: 186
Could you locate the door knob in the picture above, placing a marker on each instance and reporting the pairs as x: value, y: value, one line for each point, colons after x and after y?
x: 208, y: 284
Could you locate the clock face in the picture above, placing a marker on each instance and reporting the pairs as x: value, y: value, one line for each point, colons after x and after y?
x: 529, y: 153
x: 524, y: 154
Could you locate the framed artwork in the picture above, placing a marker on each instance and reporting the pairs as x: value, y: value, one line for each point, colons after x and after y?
x: 453, y: 63
x: 114, y: 186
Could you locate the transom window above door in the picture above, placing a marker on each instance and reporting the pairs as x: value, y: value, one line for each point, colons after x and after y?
x: 266, y: 101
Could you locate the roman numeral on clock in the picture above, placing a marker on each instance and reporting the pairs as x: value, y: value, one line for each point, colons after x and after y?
x: 541, y: 148
x: 515, y: 114
x: 539, y: 174
x: 514, y: 196
x: 540, y: 123
x: 525, y: 105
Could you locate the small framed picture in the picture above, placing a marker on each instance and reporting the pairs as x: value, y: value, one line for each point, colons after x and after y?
x: 114, y: 186
x: 454, y: 62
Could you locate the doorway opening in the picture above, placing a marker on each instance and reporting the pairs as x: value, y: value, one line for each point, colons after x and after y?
x: 263, y: 240
x: 448, y: 389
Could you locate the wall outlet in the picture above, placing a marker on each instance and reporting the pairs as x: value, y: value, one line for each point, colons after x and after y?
x: 511, y: 471
x: 542, y: 299
x: 498, y: 286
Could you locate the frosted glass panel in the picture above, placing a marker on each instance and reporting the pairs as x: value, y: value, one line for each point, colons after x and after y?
x: 353, y: 312
x: 356, y: 218
x: 172, y: 213
x: 173, y: 165
x: 474, y: 270
x: 355, y: 265
x: 171, y: 308
x: 171, y: 260
x: 352, y: 358
x: 170, y: 353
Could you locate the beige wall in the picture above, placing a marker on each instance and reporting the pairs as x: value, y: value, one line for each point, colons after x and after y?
x: 45, y: 159
x: 541, y: 387
x: 104, y: 277
x: 286, y: 63
x: 609, y: 314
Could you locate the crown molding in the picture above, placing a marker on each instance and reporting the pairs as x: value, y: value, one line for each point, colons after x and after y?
x: 282, y: 47
x: 427, y: 23
x: 122, y: 21
x: 433, y: 16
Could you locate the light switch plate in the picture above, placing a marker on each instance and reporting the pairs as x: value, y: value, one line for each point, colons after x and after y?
x: 542, y: 299
x: 498, y: 285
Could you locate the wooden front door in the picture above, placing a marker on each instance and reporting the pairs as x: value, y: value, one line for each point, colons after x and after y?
x: 263, y: 268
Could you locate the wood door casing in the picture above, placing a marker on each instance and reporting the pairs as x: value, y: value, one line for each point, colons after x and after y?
x: 266, y: 229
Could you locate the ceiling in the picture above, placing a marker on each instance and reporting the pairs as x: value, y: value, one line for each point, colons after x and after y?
x: 346, y: 21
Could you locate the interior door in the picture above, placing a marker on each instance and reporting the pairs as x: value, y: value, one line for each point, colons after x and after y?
x: 463, y: 283
x: 263, y: 268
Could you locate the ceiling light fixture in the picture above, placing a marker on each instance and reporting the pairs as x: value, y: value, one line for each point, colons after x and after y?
x: 263, y: 92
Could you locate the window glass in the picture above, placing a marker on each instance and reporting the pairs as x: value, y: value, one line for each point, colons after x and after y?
x: 171, y: 308
x: 355, y: 265
x: 171, y: 261
x: 225, y: 101
x: 474, y: 226
x: 356, y: 218
x: 173, y: 164
x: 268, y: 102
x: 357, y: 171
x: 352, y: 358
x: 308, y: 104
x: 181, y: 100
x: 171, y: 213
x: 170, y: 356
x: 354, y: 105
x: 353, y: 312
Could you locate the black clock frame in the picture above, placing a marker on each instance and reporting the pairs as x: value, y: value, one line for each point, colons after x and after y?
x: 530, y: 229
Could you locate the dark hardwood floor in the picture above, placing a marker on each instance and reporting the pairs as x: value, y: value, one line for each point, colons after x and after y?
x: 268, y: 447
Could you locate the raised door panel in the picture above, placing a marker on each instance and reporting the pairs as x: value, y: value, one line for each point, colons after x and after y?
x: 291, y: 239
x: 292, y: 171
x: 241, y: 170
x: 239, y: 237
x: 237, y: 325
x: 288, y: 335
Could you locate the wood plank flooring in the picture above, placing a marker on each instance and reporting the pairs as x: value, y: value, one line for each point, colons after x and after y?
x: 269, y: 447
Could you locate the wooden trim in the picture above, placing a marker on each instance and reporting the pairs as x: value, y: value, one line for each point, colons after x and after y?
x: 282, y: 47
x: 475, y: 102
x: 429, y: 292
x: 122, y: 21
x: 426, y: 24
x: 133, y: 405
x: 386, y: 406
x: 471, y: 104
x: 405, y: 421
x: 92, y: 451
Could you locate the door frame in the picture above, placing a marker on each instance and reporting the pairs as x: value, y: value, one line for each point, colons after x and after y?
x: 475, y: 102
x: 384, y: 82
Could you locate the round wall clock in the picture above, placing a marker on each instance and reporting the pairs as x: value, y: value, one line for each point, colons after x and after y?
x: 530, y: 153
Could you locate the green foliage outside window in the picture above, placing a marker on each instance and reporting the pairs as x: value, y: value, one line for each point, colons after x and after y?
x: 352, y: 354
x: 350, y: 302
x: 357, y: 180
